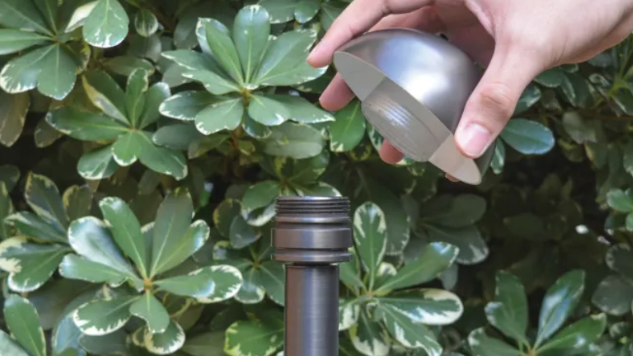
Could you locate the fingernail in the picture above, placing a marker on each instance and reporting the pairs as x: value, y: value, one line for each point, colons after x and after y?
x: 474, y: 139
x: 314, y: 50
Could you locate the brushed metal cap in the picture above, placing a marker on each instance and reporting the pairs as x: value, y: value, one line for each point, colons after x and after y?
x: 413, y: 87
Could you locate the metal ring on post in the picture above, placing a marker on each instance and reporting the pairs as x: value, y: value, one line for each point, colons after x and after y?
x: 311, y: 236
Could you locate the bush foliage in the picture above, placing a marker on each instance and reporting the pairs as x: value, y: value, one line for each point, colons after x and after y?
x: 144, y: 143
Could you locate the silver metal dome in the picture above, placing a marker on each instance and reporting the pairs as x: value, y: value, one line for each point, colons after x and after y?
x: 413, y: 87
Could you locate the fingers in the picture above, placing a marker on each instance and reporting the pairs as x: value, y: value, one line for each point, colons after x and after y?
x: 493, y: 102
x: 337, y: 95
x: 390, y: 154
x: 357, y: 18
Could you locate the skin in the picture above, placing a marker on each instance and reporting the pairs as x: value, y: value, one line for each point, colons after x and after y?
x: 515, y: 40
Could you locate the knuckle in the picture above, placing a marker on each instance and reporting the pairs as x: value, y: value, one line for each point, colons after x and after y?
x: 497, y: 100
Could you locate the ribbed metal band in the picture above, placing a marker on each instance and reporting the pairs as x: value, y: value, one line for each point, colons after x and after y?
x: 312, y: 230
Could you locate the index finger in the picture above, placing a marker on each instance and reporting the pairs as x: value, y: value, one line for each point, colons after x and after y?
x: 357, y: 18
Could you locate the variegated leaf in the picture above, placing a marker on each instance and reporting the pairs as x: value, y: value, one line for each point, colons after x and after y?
x: 102, y: 317
x: 209, y: 284
x: 369, y: 236
x: 426, y: 306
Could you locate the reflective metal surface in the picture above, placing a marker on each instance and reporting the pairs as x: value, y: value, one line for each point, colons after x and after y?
x: 311, y: 236
x: 413, y: 87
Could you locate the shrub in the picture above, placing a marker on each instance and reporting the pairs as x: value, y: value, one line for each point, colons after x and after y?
x: 144, y: 143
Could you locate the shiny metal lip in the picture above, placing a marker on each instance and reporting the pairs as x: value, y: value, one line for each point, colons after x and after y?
x: 413, y: 87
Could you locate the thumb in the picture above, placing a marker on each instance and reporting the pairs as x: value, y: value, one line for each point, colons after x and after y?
x: 493, y: 101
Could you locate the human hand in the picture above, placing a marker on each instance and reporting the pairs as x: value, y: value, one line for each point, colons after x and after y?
x: 516, y: 40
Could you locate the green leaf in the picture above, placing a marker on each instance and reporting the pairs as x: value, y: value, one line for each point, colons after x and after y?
x: 254, y: 338
x: 175, y: 237
x: 614, y: 295
x: 551, y: 78
x: 408, y: 333
x: 223, y: 115
x: 619, y: 258
x: 330, y: 11
x: 369, y: 338
x: 20, y: 73
x: 499, y: 158
x: 137, y: 85
x: 267, y: 111
x: 105, y: 93
x: 84, y: 125
x: 306, y: 10
x: 125, y: 149
x: 426, y: 306
x: 348, y: 130
x: 165, y: 343
x: 152, y: 311
x: 205, y: 344
x: 126, y: 231
x: 509, y: 311
x: 160, y: 159
x: 369, y: 237
x: 31, y: 225
x: 223, y: 48
x: 186, y: 105
x: 145, y: 23
x: 145, y: 47
x: 106, y: 25
x: 531, y: 95
x: 285, y: 60
x: 280, y: 10
x: 483, y: 345
x: 435, y: 258
x: 348, y: 313
x: 273, y: 278
x: 301, y: 110
x: 620, y: 201
x: 260, y: 195
x: 22, y: 15
x: 472, y: 247
x: 250, y: 34
x: 461, y: 210
x: 224, y: 214
x: 208, y: 285
x: 29, y: 265
x: 9, y: 175
x: 528, y: 137
x: 43, y: 197
x: 580, y: 129
x: 578, y: 335
x: 124, y: 65
x: 559, y: 303
x: 213, y: 82
x: 12, y: 117
x: 81, y: 268
x: 114, y: 343
x: 156, y: 94
x: 396, y: 217
x: 102, y: 317
x: 252, y: 290
x: 97, y: 164
x: 294, y: 140
x: 58, y: 74
x: 77, y: 201
x: 241, y: 233
x: 9, y: 347
x: 45, y: 135
x: 12, y: 41
x: 6, y: 209
x: 90, y: 238
x: 24, y: 323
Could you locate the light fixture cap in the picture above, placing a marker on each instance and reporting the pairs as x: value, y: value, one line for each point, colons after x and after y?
x: 413, y: 87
